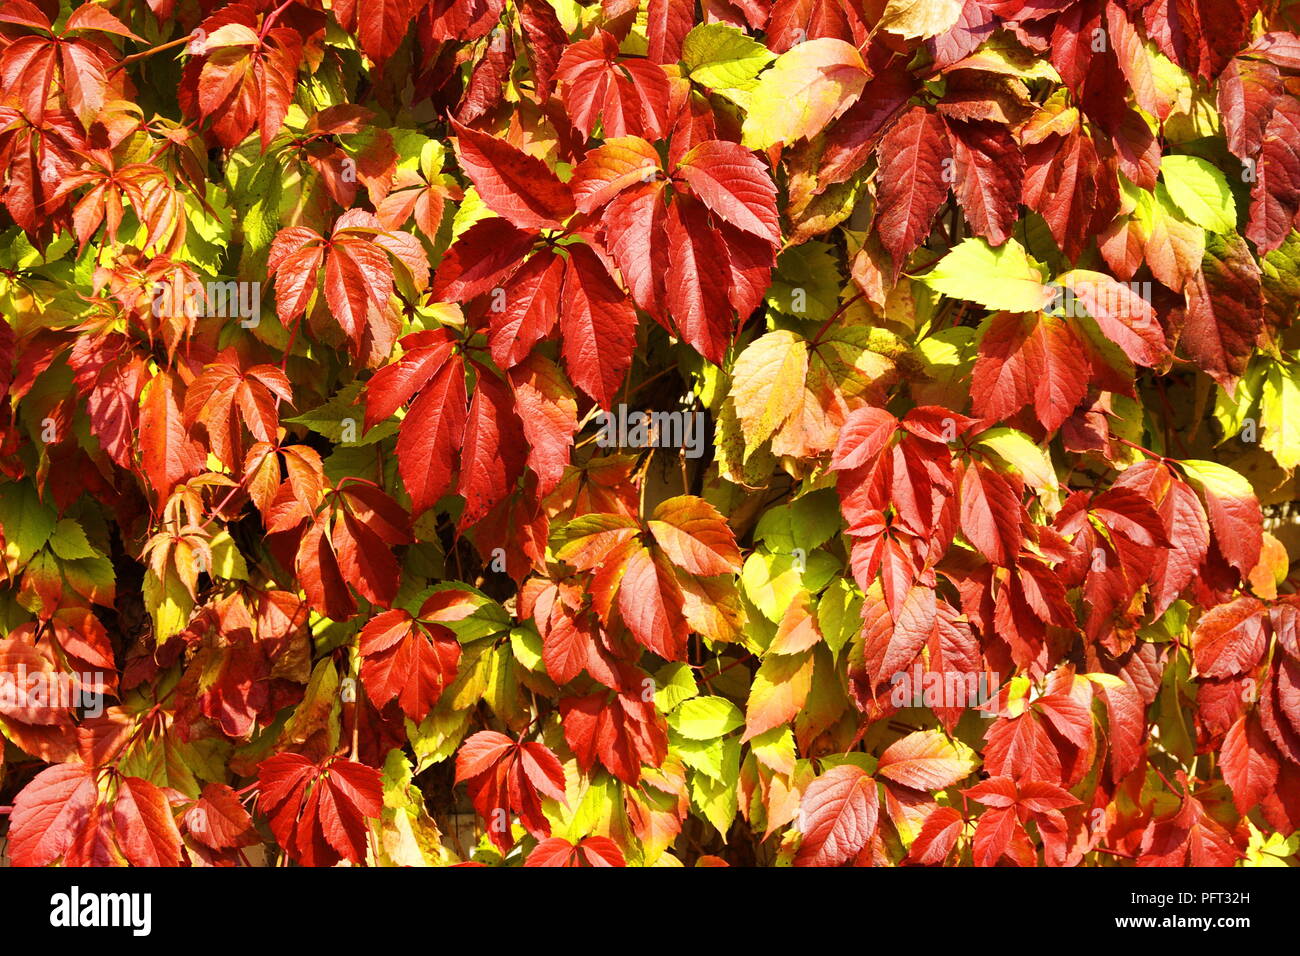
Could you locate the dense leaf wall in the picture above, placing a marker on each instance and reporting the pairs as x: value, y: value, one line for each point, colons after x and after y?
x: 662, y: 432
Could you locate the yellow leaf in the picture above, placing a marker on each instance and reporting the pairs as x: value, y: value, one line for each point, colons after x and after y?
x: 767, y: 383
x: 807, y: 87
x: 919, y: 18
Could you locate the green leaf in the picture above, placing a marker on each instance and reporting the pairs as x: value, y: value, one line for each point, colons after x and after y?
x: 436, y: 737
x: 767, y: 384
x: 340, y: 419
x: 775, y: 749
x: 916, y: 19
x: 1004, y: 278
x: 715, y: 799
x: 318, y: 712
x: 674, y: 683
x: 703, y: 756
x: 256, y: 188
x: 1201, y: 191
x: 227, y: 562
x: 208, y: 233
x: 772, y: 580
x: 69, y: 541
x: 722, y: 58
x: 487, y: 619
x: 1029, y: 460
x: 1280, y: 415
x: 527, y: 645
x: 25, y: 521
x: 806, y: 283
x: 704, y: 718
x: 1218, y: 479
x: 807, y: 522
x: 839, y: 614
x: 168, y: 603
x: 601, y: 803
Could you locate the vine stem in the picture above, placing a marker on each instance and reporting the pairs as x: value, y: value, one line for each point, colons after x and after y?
x: 150, y: 52
x: 1105, y: 849
x: 723, y: 670
x: 273, y: 16
x: 224, y: 501
x: 834, y: 315
x: 1137, y: 447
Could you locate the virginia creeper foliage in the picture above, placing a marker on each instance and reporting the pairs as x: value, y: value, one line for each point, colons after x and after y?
x: 649, y: 432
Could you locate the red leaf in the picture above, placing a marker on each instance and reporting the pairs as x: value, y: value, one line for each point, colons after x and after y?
x: 168, y: 455
x: 667, y: 23
x: 590, y: 851
x: 503, y: 775
x: 850, y: 141
x: 1123, y: 316
x: 1230, y: 639
x: 548, y: 411
x: 635, y: 231
x: 650, y: 602
x: 923, y: 760
x: 990, y: 171
x: 1275, y: 195
x: 837, y: 816
x: 629, y: 97
x: 146, y: 829
x: 694, y: 536
x: 53, y: 816
x: 379, y: 25
x: 734, y: 185
x: 1224, y: 310
x: 532, y: 303
x: 1185, y: 527
x: 492, y: 453
x: 358, y: 277
x: 546, y: 40
x: 512, y: 183
x: 612, y: 168
x: 424, y: 356
x: 1247, y: 92
x: 244, y: 78
x: 485, y: 256
x: 1023, y: 359
x: 318, y: 812
x: 413, y: 660
x: 219, y: 821
x: 913, y: 156
x: 598, y: 325
x: 623, y: 733
x: 937, y: 837
x: 431, y: 436
x: 1066, y: 182
x: 696, y: 299
x: 1249, y: 765
x: 990, y: 513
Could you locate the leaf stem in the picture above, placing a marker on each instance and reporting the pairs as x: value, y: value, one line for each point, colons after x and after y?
x: 149, y: 52
x: 834, y: 315
x: 272, y: 17
x: 1137, y: 447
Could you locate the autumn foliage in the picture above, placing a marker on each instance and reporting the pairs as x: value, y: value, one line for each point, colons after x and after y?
x: 649, y: 432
